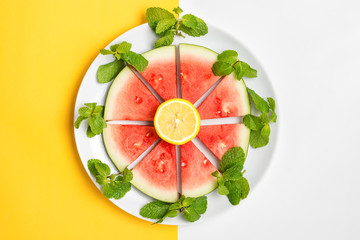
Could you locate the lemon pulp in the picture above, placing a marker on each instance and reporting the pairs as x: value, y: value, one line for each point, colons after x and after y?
x: 177, y: 121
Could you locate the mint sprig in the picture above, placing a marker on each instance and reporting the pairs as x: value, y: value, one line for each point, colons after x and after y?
x: 114, y: 185
x: 191, y: 208
x: 228, y: 62
x: 166, y: 25
x: 230, y: 179
x: 123, y: 56
x: 260, y: 125
x: 95, y: 115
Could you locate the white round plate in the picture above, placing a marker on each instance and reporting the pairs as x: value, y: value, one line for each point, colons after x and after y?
x: 142, y: 39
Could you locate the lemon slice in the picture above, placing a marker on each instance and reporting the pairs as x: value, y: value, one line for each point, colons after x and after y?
x: 177, y: 121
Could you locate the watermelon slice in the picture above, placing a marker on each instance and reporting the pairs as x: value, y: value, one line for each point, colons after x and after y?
x: 161, y: 71
x: 229, y: 99
x: 129, y: 99
x: 156, y: 174
x: 195, y: 71
x: 220, y: 138
x: 125, y: 143
x: 196, y: 169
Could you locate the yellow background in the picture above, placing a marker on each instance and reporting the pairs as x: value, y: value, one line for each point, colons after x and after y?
x: 45, y: 49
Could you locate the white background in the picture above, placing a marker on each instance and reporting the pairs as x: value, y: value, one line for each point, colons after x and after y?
x: 311, y: 52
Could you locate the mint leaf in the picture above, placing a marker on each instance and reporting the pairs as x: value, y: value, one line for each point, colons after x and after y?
x: 127, y: 175
x: 234, y: 172
x: 155, y: 14
x: 222, y: 68
x: 228, y: 56
x: 89, y: 133
x: 78, y: 121
x: 215, y: 174
x: 101, y: 179
x: 120, y: 188
x: 259, y: 102
x: 177, y: 10
x: 200, y: 204
x: 190, y: 214
x: 91, y: 166
x: 188, y: 201
x: 265, y: 131
x: 123, y: 47
x: 102, y: 168
x: 245, y: 187
x: 175, y: 206
x: 90, y: 105
x: 154, y: 210
x: 250, y: 73
x: 272, y: 105
x: 164, y: 25
x: 106, y: 52
x: 85, y: 112
x: 97, y: 124
x: 240, y: 69
x: 253, y: 122
x: 223, y: 190
x: 233, y: 156
x: 200, y: 30
x: 172, y: 213
x: 137, y: 61
x: 109, y: 71
x: 257, y: 139
x: 165, y: 40
x: 238, y: 190
x: 189, y: 21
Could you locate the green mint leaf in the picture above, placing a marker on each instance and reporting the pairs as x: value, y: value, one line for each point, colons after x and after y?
x: 109, y: 71
x: 190, y: 214
x: 215, y: 174
x: 109, y: 190
x: 257, y: 140
x: 238, y: 190
x: 137, y: 61
x: 127, y: 175
x: 120, y: 188
x: 272, y: 105
x: 253, y: 122
x: 165, y: 40
x: 155, y: 14
x: 92, y: 106
x: 89, y: 133
x: 97, y: 124
x: 222, y: 68
x: 99, y: 110
x: 265, y: 131
x: 78, y: 121
x: 264, y: 118
x: 164, y: 24
x: 177, y: 10
x: 240, y: 69
x: 106, y: 52
x: 123, y: 47
x: 85, y: 112
x: 200, y: 30
x: 223, y: 190
x: 250, y: 73
x: 114, y: 47
x: 228, y: 56
x: 175, y: 206
x: 234, y: 172
x: 245, y: 187
x: 102, y: 169
x: 172, y: 213
x: 189, y: 21
x: 200, y: 204
x: 101, y: 179
x: 259, y: 102
x: 154, y: 210
x: 273, y: 117
x: 181, y: 199
x: 188, y: 201
x: 233, y: 156
x: 91, y: 166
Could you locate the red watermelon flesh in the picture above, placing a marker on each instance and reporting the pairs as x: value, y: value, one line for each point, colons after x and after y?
x: 156, y: 174
x: 129, y: 99
x: 220, y: 138
x: 196, y: 169
x: 161, y: 71
x: 195, y: 71
x: 229, y: 99
x: 125, y: 143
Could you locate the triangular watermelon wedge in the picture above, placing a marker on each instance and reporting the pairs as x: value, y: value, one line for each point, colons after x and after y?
x: 156, y: 174
x: 129, y: 99
x: 196, y: 169
x: 195, y: 71
x: 161, y: 71
x: 229, y: 99
x: 220, y: 138
x: 125, y: 143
